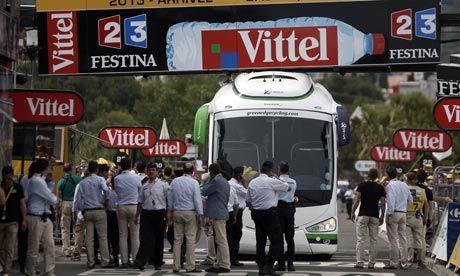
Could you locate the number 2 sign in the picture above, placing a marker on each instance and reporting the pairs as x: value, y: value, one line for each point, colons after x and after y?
x: 425, y: 24
x: 135, y: 31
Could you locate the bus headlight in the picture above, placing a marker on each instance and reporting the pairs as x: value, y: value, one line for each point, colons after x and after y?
x: 324, y: 226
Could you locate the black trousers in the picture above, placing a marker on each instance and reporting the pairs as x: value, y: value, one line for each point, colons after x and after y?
x: 286, y: 217
x: 22, y: 247
x: 151, y: 236
x: 267, y: 225
x: 230, y: 239
x: 113, y: 236
x: 237, y: 233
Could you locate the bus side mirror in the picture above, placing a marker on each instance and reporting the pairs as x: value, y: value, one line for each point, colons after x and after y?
x: 343, y: 126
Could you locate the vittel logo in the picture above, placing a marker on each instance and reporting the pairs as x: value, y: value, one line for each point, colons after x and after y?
x: 422, y: 140
x: 171, y: 148
x: 47, y: 106
x: 389, y: 153
x: 446, y: 113
x: 62, y: 42
x: 128, y: 137
x: 285, y: 44
x: 257, y: 47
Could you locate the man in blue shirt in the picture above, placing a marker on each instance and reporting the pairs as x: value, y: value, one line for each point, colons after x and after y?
x: 127, y: 185
x: 398, y: 195
x: 218, y: 190
x: 184, y: 204
x: 39, y: 225
x: 286, y: 212
x: 91, y: 200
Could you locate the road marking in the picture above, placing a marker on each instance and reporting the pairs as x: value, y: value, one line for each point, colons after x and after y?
x: 112, y: 271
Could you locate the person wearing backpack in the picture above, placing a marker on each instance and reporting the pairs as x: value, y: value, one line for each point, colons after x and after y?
x: 66, y: 191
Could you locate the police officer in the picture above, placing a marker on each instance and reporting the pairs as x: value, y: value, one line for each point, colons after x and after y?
x: 262, y: 199
x: 286, y: 211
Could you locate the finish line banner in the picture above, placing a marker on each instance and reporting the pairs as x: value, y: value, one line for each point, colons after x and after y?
x: 321, y: 36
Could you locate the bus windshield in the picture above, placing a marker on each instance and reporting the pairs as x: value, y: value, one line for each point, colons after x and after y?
x: 305, y: 143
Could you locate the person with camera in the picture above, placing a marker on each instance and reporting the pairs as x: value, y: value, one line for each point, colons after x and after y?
x: 12, y: 212
x: 40, y: 226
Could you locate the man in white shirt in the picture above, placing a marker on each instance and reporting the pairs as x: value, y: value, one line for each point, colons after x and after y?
x: 239, y: 184
x: 152, y: 211
x: 262, y: 197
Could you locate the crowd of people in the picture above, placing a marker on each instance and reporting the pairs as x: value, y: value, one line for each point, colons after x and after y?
x: 404, y: 203
x: 120, y: 215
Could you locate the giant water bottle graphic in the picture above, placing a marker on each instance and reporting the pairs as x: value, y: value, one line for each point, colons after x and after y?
x: 186, y: 47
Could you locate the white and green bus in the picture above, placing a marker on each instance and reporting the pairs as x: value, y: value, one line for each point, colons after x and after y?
x: 281, y: 116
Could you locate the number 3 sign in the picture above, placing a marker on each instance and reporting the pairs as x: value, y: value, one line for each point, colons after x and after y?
x: 425, y: 24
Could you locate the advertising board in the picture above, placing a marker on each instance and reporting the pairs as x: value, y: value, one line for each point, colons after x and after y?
x: 167, y: 148
x: 40, y: 106
x: 446, y: 113
x: 124, y: 137
x: 223, y: 37
x: 389, y: 153
x: 422, y: 140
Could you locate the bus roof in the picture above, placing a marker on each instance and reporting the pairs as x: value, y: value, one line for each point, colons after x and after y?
x: 273, y: 89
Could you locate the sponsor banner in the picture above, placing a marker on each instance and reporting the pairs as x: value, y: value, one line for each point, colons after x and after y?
x: 422, y: 140
x: 446, y: 113
x: 164, y: 148
x: 453, y: 226
x: 124, y: 137
x: 389, y: 35
x: 438, y: 246
x: 47, y: 106
x: 59, y: 5
x: 62, y: 42
x: 448, y: 88
x: 455, y: 256
x: 390, y: 153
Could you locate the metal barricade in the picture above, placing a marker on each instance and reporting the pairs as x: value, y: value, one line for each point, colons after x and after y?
x: 442, y: 187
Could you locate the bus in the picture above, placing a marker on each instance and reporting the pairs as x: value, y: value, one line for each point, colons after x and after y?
x: 281, y: 116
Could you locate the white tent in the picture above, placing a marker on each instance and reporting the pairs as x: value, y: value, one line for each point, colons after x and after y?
x: 164, y: 134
